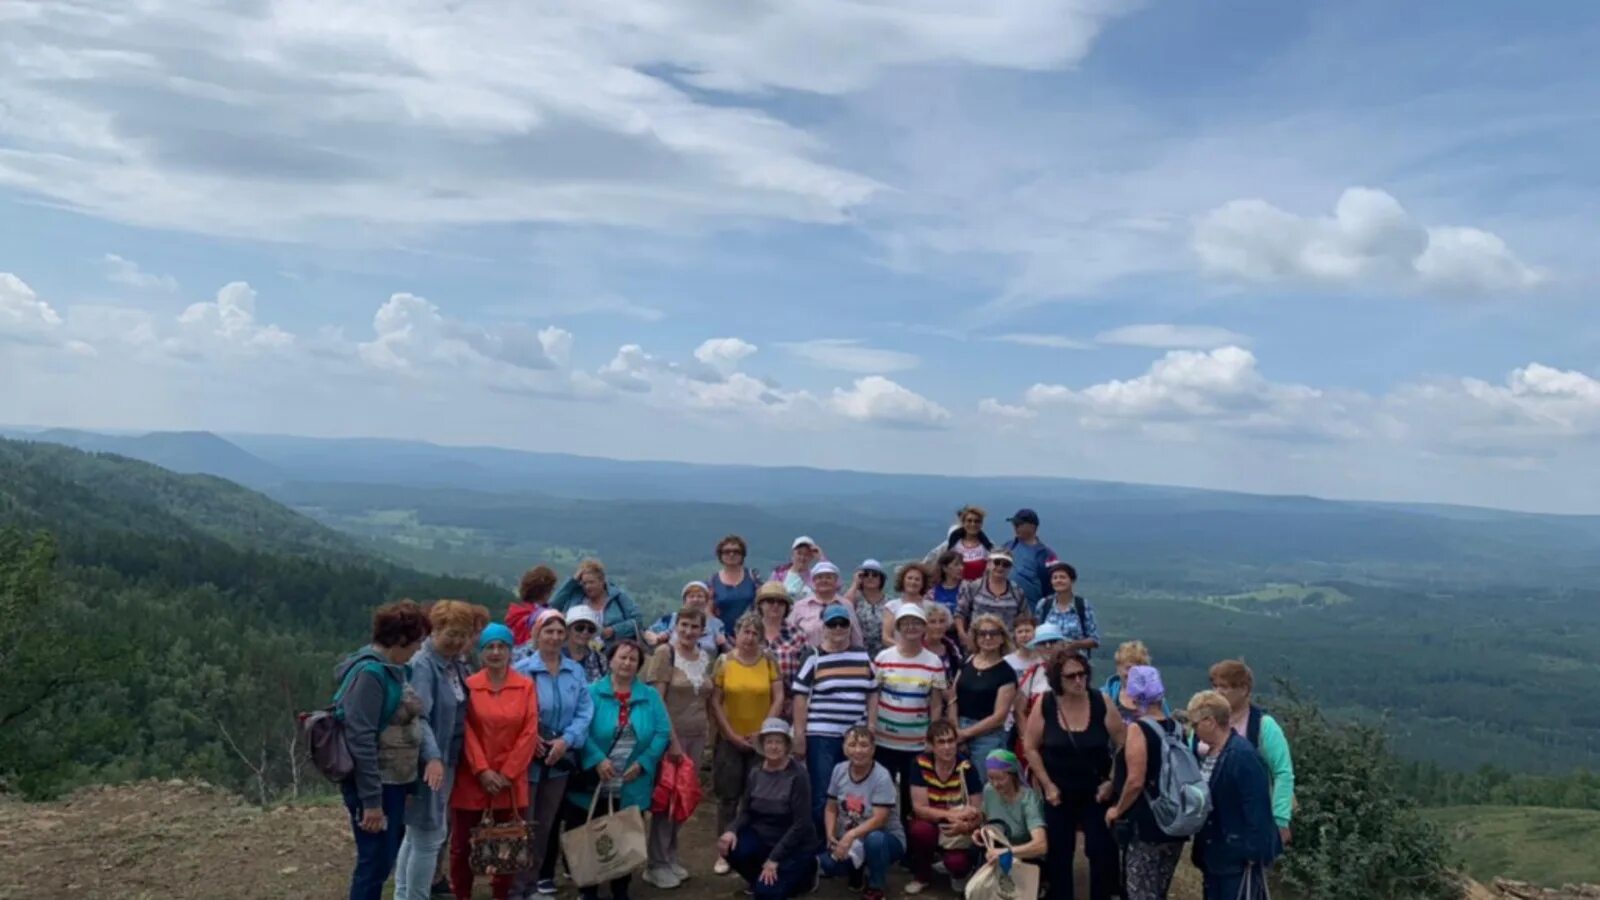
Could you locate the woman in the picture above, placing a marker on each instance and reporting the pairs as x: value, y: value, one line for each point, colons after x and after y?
x: 986, y: 689
x: 913, y: 694
x: 864, y: 833
x: 1150, y: 855
x: 746, y: 690
x: 680, y: 671
x: 835, y: 691
x: 440, y: 679
x: 533, y: 597
x: 1034, y: 682
x: 1068, y: 612
x: 946, y: 792
x: 947, y: 590
x: 940, y: 642
x: 871, y: 604
x: 627, y: 738
x: 1233, y: 679
x: 695, y: 595
x: 619, y: 615
x: 968, y: 539
x: 1240, y: 839
x: 1069, y: 738
x: 1129, y: 654
x: 1023, y: 656
x: 795, y: 575
x: 910, y: 586
x: 565, y: 711
x: 383, y: 730
x: 993, y: 594
x: 733, y: 588
x: 768, y: 844
x: 1014, y: 811
x: 502, y: 737
x: 583, y: 630
x: 786, y: 645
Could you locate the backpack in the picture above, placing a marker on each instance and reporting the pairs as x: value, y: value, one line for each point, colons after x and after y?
x: 1048, y: 602
x: 1182, y: 800
x: 322, y: 730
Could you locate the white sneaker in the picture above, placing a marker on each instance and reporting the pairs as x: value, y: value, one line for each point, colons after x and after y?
x: 915, y: 887
x: 939, y: 869
x: 721, y: 867
x: 678, y: 870
x: 959, y: 885
x: 661, y: 877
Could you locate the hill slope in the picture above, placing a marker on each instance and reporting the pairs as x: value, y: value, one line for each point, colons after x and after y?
x: 187, y: 452
x: 1543, y: 846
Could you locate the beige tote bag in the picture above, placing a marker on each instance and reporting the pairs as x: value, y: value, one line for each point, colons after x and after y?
x: 607, y: 847
x: 990, y: 883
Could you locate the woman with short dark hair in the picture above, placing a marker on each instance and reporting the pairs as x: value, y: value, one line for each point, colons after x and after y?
x: 733, y: 588
x: 533, y: 596
x: 383, y: 730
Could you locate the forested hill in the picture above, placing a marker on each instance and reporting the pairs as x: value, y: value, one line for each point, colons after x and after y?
x: 154, y: 624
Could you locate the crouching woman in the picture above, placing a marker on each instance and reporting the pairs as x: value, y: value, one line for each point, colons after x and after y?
x: 771, y: 840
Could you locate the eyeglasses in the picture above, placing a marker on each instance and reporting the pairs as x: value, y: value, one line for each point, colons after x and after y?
x: 837, y: 624
x: 1076, y: 675
x: 1000, y: 564
x: 990, y: 632
x: 730, y: 551
x: 584, y: 627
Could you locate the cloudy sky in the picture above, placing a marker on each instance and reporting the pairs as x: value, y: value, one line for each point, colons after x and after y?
x: 1344, y: 248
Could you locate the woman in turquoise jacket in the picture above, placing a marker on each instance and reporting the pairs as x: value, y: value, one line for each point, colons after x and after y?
x: 627, y: 738
x: 619, y: 615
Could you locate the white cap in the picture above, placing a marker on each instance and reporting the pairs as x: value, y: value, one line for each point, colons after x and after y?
x: 910, y: 609
x: 776, y: 726
x: 802, y: 540
x: 580, y: 612
x: 824, y: 568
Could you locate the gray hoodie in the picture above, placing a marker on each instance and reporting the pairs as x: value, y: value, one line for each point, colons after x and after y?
x: 362, y: 707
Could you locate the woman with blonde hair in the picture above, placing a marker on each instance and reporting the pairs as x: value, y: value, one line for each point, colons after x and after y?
x: 1240, y: 839
x: 1129, y: 654
x: 439, y: 676
x: 985, y: 688
x: 619, y: 615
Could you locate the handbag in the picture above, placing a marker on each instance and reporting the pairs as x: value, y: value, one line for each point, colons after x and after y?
x: 678, y: 790
x: 607, y: 847
x: 501, y: 848
x: 1007, y: 878
x: 1254, y: 884
x: 956, y: 840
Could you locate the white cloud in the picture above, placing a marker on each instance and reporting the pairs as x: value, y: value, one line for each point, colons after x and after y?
x: 126, y: 272
x: 989, y: 406
x: 1052, y: 341
x: 1534, y: 409
x: 723, y: 354
x: 225, y: 324
x: 851, y: 355
x: 26, y: 319
x: 878, y: 400
x: 563, y: 111
x: 1171, y: 337
x: 1369, y: 239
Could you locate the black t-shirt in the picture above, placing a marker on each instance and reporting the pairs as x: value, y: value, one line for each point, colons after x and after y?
x: 977, y: 690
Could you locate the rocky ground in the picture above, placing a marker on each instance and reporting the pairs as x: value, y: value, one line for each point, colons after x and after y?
x: 184, y: 841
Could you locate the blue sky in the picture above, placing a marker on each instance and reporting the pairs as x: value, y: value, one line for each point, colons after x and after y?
x: 1337, y: 248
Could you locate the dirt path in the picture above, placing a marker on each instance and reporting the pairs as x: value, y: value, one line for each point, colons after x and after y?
x: 181, y: 841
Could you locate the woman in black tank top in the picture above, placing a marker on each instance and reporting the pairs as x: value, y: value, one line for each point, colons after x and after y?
x: 1069, y: 739
x: 1150, y: 855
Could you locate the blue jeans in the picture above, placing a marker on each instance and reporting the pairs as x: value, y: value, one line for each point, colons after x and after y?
x: 822, y: 754
x: 376, y: 852
x: 883, y: 851
x: 795, y: 872
x: 978, y: 748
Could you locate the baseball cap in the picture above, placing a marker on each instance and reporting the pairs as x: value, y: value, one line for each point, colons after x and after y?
x: 802, y: 541
x: 834, y: 612
x: 580, y: 612
x: 1048, y: 633
x: 911, y: 611
x: 872, y: 565
x: 776, y: 726
x: 1024, y: 515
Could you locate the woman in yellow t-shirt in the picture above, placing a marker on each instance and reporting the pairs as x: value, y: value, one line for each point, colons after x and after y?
x: 746, y: 689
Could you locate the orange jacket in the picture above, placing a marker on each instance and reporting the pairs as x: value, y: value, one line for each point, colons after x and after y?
x: 502, y: 734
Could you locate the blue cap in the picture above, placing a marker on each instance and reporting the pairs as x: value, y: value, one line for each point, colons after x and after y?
x: 1024, y: 515
x: 1047, y: 633
x: 835, y: 611
x: 493, y: 632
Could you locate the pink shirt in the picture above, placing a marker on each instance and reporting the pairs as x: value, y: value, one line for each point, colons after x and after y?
x: 806, y: 618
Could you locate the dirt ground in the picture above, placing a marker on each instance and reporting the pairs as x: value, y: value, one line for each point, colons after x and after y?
x: 183, y: 841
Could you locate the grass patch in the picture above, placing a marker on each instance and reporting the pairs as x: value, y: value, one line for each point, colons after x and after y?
x: 1278, y: 598
x: 1529, y: 843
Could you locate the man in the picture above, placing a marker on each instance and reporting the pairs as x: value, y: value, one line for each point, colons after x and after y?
x: 1233, y: 680
x: 1030, y: 556
x: 807, y: 615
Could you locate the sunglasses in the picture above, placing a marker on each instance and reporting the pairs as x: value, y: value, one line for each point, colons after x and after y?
x: 584, y: 627
x: 837, y: 624
x: 1075, y: 675
x: 990, y: 632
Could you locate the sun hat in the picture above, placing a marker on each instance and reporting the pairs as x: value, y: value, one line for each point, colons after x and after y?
x: 1048, y: 633
x: 495, y: 633
x: 776, y: 726
x: 1144, y: 685
x: 691, y: 586
x: 582, y: 613
x: 872, y: 565
x: 824, y: 568
x: 774, y: 590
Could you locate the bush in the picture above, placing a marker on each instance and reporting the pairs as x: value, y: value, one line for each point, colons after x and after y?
x: 1356, y: 835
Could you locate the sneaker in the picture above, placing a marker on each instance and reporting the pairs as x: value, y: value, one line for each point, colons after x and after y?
x: 678, y: 870
x: 546, y: 886
x: 720, y: 867
x: 661, y: 877
x: 939, y: 869
x: 959, y: 885
x: 816, y: 881
x: 915, y: 887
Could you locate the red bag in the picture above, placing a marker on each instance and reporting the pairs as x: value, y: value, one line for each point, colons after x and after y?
x: 677, y: 790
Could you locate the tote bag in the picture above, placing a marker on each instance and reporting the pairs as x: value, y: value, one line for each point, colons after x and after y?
x: 994, y: 882
x: 956, y: 840
x: 607, y: 847
x: 501, y: 848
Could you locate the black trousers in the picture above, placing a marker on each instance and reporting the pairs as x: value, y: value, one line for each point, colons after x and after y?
x: 1078, y: 811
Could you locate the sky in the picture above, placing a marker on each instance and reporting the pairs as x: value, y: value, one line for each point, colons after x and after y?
x: 1340, y: 248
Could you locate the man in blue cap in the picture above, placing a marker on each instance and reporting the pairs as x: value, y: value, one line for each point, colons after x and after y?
x: 1030, y: 556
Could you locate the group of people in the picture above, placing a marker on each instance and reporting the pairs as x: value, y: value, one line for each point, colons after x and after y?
x: 939, y: 717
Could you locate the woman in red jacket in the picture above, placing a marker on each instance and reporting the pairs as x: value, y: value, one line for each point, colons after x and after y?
x: 502, y: 736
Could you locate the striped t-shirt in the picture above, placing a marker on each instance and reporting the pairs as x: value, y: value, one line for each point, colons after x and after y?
x: 946, y: 793
x: 906, y: 684
x: 836, y: 686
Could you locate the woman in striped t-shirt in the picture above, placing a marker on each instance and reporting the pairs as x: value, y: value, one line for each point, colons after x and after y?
x: 912, y: 694
x: 836, y: 689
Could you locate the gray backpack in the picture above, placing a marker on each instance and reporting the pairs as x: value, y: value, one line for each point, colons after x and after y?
x: 1182, y: 801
